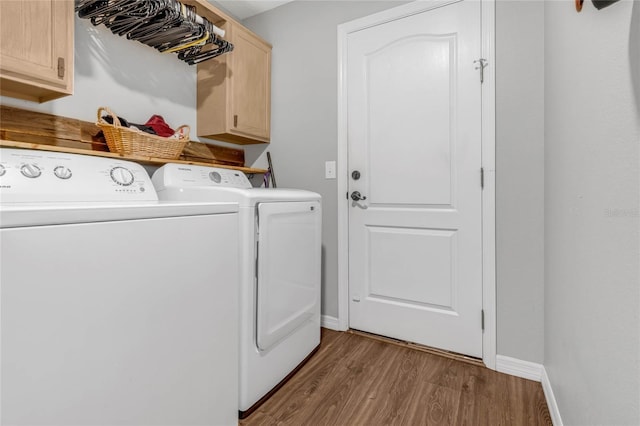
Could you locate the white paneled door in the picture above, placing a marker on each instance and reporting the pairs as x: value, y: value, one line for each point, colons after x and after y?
x: 414, y: 147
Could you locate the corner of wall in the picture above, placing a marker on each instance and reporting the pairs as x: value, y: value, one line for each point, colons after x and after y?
x: 556, y: 419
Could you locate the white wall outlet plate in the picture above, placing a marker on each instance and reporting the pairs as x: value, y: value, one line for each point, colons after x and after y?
x: 330, y: 170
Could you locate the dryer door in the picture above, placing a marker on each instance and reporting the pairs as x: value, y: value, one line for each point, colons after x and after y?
x: 288, y: 270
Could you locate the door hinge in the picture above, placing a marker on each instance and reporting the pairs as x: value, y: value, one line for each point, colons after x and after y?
x: 482, y: 177
x: 482, y: 64
x: 482, y: 319
x: 60, y: 67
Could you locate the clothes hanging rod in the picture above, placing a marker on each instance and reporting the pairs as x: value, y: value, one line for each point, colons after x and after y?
x: 214, y: 28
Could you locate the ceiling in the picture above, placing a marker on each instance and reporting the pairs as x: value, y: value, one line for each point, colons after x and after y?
x: 243, y: 9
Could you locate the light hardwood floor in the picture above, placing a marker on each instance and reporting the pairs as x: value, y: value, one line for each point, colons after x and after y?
x: 357, y: 380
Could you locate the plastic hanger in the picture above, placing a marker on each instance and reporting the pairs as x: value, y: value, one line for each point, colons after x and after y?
x: 166, y: 25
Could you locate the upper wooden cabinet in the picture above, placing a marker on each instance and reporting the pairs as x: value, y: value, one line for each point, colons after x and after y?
x: 234, y: 90
x: 36, y: 49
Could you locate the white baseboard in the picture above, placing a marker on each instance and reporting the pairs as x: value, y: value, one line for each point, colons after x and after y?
x: 551, y: 400
x: 519, y: 368
x: 329, y: 322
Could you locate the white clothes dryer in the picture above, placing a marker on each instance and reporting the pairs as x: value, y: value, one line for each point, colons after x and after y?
x: 114, y: 309
x: 280, y: 262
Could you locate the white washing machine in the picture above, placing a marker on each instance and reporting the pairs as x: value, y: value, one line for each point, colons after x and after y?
x: 280, y: 261
x: 114, y: 309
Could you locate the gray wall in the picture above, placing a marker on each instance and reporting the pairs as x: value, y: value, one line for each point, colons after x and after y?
x: 520, y: 178
x: 592, y: 256
x: 304, y: 87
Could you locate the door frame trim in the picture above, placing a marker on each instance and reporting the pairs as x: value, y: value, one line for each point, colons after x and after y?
x: 488, y: 163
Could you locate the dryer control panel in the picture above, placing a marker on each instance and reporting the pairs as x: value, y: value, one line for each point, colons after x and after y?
x: 184, y: 175
x: 44, y: 176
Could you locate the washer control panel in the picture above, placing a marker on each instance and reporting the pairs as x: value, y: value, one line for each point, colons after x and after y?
x: 41, y: 176
x: 181, y: 176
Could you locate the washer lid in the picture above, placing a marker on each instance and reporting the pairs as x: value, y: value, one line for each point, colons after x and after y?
x: 37, y: 214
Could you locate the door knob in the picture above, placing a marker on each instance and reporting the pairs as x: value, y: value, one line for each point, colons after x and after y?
x: 357, y: 196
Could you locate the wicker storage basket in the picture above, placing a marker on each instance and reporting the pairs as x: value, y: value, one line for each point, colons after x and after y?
x: 123, y: 140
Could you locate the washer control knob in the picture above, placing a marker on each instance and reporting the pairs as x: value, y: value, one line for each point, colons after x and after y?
x: 2, y: 170
x: 215, y: 176
x: 122, y: 176
x: 62, y: 172
x: 30, y: 170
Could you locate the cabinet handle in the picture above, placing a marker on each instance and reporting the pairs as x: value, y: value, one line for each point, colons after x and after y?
x: 235, y: 120
x: 61, y: 67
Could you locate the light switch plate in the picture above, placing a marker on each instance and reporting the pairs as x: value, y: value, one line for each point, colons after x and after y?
x: 330, y: 170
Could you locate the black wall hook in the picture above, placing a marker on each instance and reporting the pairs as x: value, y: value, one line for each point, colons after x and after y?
x: 601, y: 4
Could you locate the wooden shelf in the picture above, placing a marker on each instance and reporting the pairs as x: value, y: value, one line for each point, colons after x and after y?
x: 35, y: 130
x: 144, y: 160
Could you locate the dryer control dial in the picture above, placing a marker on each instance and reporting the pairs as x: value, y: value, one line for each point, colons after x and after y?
x: 62, y: 172
x: 2, y: 170
x: 215, y: 176
x: 30, y: 170
x: 122, y: 176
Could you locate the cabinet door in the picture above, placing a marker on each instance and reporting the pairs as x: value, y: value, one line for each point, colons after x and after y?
x: 250, y: 91
x: 36, y: 48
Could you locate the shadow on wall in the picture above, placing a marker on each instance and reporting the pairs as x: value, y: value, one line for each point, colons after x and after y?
x: 131, y: 65
x: 634, y: 52
x: 256, y: 155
